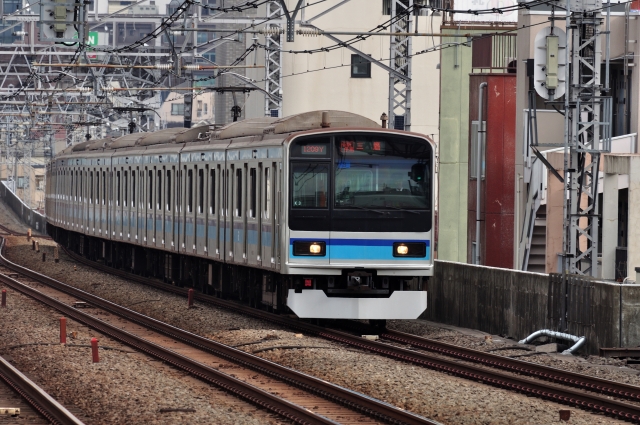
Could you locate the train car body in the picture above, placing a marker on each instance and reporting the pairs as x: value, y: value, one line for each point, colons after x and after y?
x: 329, y: 219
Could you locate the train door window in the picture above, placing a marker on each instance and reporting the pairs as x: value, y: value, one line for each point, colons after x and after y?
x: 141, y: 194
x: 179, y: 192
x: 201, y: 184
x: 190, y: 191
x: 252, y: 192
x: 159, y: 193
x: 126, y: 188
x: 133, y: 188
x: 118, y: 188
x: 73, y: 186
x: 225, y: 190
x: 80, y: 186
x: 150, y: 190
x: 104, y: 187
x: 239, y: 192
x: 167, y: 184
x: 267, y: 191
x: 91, y: 188
x: 212, y: 191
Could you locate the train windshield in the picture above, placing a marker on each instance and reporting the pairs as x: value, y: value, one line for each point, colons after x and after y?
x: 382, y: 173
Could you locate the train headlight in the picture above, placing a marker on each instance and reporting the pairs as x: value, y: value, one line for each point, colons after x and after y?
x: 410, y: 249
x: 309, y: 248
x: 402, y: 250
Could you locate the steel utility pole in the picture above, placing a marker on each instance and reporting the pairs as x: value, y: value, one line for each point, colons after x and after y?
x: 400, y: 49
x: 587, y: 136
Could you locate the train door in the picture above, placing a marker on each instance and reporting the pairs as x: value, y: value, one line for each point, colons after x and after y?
x: 149, y: 216
x: 169, y: 202
x: 239, y: 215
x: 91, y: 228
x: 184, y: 203
x: 213, y: 249
x: 133, y: 206
x: 179, y: 213
x: 126, y: 204
x: 268, y: 215
x: 189, y: 212
x: 141, y: 210
x: 277, y: 214
x: 229, y: 218
x: 201, y: 208
x: 159, y: 221
x: 253, y: 215
x: 118, y: 202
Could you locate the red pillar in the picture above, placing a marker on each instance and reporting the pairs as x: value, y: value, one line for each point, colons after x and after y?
x: 94, y: 350
x: 190, y: 297
x: 63, y: 330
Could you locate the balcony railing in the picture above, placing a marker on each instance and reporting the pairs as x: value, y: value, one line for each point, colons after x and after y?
x: 494, y: 53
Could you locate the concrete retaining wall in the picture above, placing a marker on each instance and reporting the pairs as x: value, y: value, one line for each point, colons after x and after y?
x: 514, y: 303
x: 31, y: 218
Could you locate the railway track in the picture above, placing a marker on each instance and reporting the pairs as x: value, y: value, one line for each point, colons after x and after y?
x: 38, y: 406
x: 536, y: 380
x: 300, y: 398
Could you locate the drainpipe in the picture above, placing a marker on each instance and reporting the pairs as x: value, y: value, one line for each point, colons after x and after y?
x: 479, y: 171
x: 577, y: 340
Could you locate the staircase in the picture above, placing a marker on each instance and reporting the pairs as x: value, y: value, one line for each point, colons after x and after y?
x: 537, y: 255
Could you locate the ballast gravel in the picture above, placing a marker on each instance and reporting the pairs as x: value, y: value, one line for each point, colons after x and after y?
x: 435, y: 395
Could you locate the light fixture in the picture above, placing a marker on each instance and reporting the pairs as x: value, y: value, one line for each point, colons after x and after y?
x: 402, y: 250
x: 315, y: 248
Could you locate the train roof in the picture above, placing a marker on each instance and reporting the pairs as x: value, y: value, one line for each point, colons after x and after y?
x: 250, y: 130
x: 291, y: 124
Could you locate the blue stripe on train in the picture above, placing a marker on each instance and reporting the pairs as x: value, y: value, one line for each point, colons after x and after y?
x: 360, y: 249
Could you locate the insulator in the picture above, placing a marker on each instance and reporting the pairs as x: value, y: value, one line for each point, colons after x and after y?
x: 85, y: 89
x: 272, y: 31
x: 312, y: 32
x: 192, y: 67
x: 20, y: 33
x: 108, y: 89
x: 163, y: 66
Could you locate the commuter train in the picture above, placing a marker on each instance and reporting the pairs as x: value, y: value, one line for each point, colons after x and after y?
x: 324, y: 213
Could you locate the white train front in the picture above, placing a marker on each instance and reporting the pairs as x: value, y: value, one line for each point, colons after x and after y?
x: 328, y: 217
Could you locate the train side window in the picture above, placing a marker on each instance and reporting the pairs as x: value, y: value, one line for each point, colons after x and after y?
x: 239, y: 192
x: 150, y: 191
x: 159, y: 193
x: 168, y: 186
x: 118, y: 188
x: 252, y: 195
x: 200, y: 191
x: 212, y: 191
x: 126, y: 188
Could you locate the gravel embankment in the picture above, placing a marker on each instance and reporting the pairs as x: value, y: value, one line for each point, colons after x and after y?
x: 125, y: 387
x: 448, y: 399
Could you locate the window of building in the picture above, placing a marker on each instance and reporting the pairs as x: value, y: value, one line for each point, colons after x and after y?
x: 360, y: 67
x: 39, y: 182
x: 177, y: 109
x: 202, y: 37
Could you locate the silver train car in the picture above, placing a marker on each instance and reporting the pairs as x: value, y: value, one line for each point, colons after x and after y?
x: 324, y: 214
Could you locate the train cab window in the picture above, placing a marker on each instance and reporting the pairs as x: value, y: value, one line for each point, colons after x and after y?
x: 190, y: 191
x: 310, y: 183
x: 212, y: 192
x: 200, y: 191
x: 159, y: 191
x: 168, y: 186
x: 118, y: 189
x: 150, y: 191
x: 252, y: 192
x: 239, y: 192
x: 267, y: 191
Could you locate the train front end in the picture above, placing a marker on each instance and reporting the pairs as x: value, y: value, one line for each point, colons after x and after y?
x: 360, y: 224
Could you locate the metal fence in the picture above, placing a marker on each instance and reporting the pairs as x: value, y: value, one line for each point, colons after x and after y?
x: 494, y: 53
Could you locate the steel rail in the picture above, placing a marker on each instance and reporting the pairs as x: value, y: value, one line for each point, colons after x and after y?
x: 42, y: 402
x: 522, y: 384
x: 353, y: 400
x: 548, y: 373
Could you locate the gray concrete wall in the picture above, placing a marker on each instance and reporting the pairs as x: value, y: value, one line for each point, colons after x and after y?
x: 515, y: 304
x: 33, y: 219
